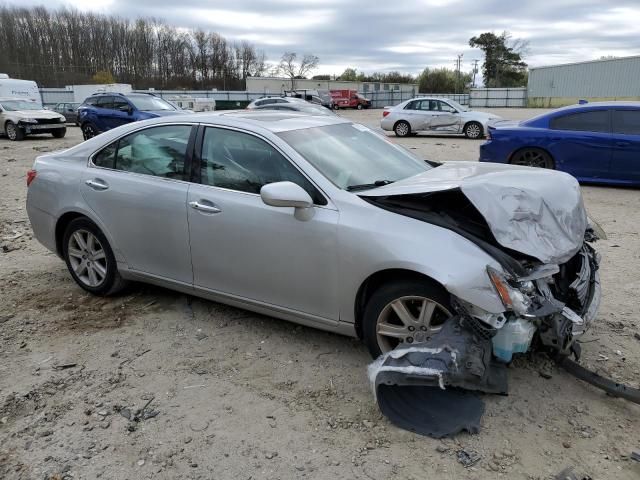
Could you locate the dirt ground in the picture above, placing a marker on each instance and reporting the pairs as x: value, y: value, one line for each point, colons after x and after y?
x: 235, y: 395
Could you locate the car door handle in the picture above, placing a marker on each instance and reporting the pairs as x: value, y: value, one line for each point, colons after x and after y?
x: 97, y: 184
x: 204, y: 207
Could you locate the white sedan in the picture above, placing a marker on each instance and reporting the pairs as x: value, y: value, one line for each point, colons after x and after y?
x: 425, y: 114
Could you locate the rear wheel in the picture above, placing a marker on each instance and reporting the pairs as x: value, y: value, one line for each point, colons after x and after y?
x: 359, y: 107
x: 404, y: 312
x: 473, y: 130
x: 402, y: 129
x: 14, y: 133
x: 60, y: 133
x: 88, y: 130
x: 532, y: 157
x: 90, y: 259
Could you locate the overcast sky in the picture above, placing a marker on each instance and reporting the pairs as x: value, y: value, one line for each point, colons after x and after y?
x: 404, y: 35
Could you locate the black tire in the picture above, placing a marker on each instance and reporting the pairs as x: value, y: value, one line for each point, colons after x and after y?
x: 389, y: 292
x: 359, y: 107
x: 13, y: 132
x: 473, y: 130
x: 402, y: 129
x: 532, y: 157
x: 112, y: 281
x: 89, y: 130
x: 60, y: 133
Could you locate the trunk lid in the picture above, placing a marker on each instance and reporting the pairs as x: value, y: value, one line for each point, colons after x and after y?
x: 533, y: 211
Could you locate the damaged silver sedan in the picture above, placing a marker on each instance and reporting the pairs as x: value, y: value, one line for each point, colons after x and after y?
x: 323, y: 222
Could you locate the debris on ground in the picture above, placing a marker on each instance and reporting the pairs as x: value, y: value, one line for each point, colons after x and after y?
x: 136, y: 416
x: 468, y: 458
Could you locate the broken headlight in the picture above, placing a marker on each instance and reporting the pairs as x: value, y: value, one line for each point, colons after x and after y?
x: 511, y: 292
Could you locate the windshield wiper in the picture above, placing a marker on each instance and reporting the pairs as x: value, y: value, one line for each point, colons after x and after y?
x: 367, y: 186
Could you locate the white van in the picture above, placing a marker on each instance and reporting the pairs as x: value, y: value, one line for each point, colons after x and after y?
x: 14, y: 88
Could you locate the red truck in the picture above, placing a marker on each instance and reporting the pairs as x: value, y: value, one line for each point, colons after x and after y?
x: 349, y: 99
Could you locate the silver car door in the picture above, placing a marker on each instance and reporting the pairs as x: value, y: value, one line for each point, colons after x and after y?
x: 137, y: 187
x: 243, y: 247
x: 445, y: 117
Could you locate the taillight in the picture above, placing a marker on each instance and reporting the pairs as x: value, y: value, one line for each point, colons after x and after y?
x: 31, y: 176
x: 385, y: 113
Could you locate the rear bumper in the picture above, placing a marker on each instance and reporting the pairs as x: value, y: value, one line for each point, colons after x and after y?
x: 43, y: 226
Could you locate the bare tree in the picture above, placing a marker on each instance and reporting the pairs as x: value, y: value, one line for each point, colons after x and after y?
x: 66, y: 46
x: 294, y: 69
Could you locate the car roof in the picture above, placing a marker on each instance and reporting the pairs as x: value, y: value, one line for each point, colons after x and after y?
x: 272, y: 120
x: 611, y: 104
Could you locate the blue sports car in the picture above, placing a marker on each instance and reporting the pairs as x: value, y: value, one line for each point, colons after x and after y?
x: 594, y: 142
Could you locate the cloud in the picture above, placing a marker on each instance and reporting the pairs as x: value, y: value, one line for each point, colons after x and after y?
x: 403, y: 35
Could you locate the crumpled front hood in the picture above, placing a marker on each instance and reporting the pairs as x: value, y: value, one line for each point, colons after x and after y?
x: 533, y: 211
x: 48, y: 114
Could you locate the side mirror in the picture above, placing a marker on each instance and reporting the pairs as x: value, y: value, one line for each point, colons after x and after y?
x: 288, y: 194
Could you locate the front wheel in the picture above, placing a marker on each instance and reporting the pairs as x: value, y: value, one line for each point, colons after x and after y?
x: 359, y: 107
x: 473, y: 130
x: 88, y: 131
x: 60, y: 133
x: 402, y: 129
x: 404, y: 312
x: 532, y: 157
x: 14, y: 132
x: 90, y: 259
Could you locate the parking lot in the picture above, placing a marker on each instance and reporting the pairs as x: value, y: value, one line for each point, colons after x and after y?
x: 233, y: 394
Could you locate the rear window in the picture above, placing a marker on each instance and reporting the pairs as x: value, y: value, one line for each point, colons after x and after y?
x: 626, y: 122
x: 91, y: 101
x: 595, y: 121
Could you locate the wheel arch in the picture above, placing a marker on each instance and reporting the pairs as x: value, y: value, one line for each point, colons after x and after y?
x: 532, y: 147
x: 62, y: 224
x: 375, y: 281
x: 483, y: 130
x: 395, y: 124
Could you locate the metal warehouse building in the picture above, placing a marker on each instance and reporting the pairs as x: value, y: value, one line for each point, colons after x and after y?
x: 558, y: 85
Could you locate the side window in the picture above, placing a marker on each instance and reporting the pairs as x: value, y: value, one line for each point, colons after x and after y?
x: 596, y: 121
x: 91, y: 101
x: 157, y: 151
x: 626, y: 122
x: 412, y: 105
x: 105, y: 102
x: 120, y: 104
x: 106, y: 157
x: 445, y: 107
x: 243, y: 162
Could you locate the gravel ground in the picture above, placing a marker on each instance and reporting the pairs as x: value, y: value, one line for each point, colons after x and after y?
x: 236, y: 395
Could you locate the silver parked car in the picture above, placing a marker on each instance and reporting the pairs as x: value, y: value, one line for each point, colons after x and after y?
x: 436, y: 115
x: 275, y: 101
x: 323, y: 222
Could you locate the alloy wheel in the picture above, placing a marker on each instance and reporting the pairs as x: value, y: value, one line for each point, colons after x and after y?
x: 402, y: 129
x: 532, y: 158
x: 411, y: 319
x: 87, y: 258
x: 88, y: 131
x: 11, y: 131
x: 473, y: 131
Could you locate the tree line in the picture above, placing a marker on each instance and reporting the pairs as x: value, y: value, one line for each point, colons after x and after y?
x: 503, y: 67
x: 65, y: 47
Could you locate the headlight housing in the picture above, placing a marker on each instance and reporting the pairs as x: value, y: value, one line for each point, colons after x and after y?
x: 511, y: 297
x: 63, y: 119
x: 28, y: 120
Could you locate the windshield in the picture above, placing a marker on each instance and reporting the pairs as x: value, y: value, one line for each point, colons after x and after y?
x: 150, y: 104
x: 15, y: 105
x: 349, y: 154
x: 457, y: 106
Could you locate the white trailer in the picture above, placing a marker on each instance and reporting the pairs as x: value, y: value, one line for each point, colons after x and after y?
x: 195, y: 104
x: 81, y: 92
x: 13, y: 87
